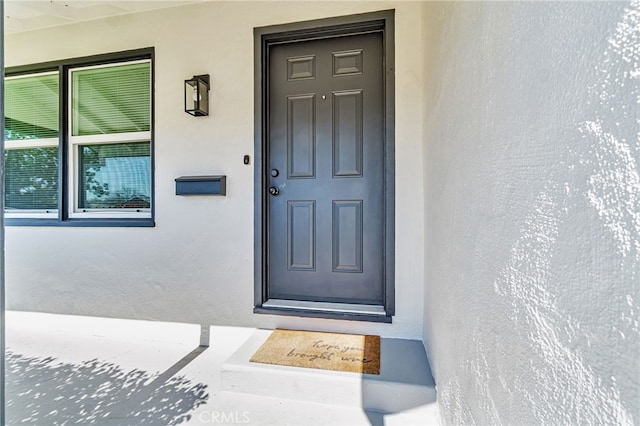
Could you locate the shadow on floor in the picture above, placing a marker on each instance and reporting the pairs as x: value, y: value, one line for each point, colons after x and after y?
x: 43, y: 391
x: 405, y: 381
x: 376, y: 419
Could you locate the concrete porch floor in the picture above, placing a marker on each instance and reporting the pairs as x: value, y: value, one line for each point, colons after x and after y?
x: 82, y: 370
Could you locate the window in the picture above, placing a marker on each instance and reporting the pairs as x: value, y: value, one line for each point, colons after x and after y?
x: 79, y: 143
x: 32, y: 136
x: 110, y: 124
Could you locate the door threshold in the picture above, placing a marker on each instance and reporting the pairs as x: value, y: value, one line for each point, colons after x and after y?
x: 347, y: 311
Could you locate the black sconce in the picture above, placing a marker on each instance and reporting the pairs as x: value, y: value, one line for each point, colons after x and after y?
x: 196, y: 95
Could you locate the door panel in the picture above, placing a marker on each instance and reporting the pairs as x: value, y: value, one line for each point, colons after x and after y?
x: 347, y: 236
x: 301, y: 130
x: 301, y: 241
x: 347, y: 133
x: 325, y: 227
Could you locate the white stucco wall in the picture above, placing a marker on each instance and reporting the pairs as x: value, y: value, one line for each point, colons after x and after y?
x: 196, y: 265
x: 532, y: 210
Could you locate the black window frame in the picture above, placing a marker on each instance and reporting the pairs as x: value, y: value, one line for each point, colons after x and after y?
x: 64, y: 168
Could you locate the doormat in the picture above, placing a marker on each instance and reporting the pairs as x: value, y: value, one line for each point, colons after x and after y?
x: 326, y: 351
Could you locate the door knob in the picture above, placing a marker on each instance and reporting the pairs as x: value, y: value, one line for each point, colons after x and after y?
x: 274, y: 191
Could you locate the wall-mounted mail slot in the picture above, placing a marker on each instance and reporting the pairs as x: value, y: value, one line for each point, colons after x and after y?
x: 201, y: 185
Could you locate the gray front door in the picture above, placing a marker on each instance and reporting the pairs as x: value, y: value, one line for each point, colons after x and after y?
x: 325, y: 161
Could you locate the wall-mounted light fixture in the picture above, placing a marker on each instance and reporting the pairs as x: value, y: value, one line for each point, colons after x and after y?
x: 196, y: 95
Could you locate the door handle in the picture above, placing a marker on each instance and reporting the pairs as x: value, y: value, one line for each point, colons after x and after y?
x: 274, y: 191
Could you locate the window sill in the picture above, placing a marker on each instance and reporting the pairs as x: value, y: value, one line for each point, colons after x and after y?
x: 86, y: 222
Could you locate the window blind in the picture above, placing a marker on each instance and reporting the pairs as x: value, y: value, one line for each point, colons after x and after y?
x: 31, y: 179
x: 31, y: 107
x: 113, y: 99
x: 115, y: 176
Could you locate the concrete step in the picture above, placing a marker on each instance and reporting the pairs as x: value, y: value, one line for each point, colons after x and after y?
x: 405, y: 379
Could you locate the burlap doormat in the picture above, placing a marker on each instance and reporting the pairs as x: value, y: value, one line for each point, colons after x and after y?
x: 326, y: 351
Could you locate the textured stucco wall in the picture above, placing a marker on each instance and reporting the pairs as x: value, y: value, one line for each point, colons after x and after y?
x: 196, y: 265
x: 533, y: 211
